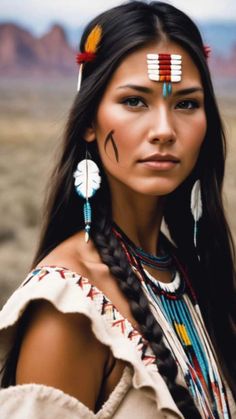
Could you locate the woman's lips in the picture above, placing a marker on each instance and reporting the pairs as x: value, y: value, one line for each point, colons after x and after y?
x: 160, y: 162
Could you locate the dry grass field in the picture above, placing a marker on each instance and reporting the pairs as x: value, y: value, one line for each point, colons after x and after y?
x: 32, y: 117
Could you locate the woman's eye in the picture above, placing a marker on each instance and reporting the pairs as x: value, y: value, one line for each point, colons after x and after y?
x: 134, y: 102
x: 187, y: 104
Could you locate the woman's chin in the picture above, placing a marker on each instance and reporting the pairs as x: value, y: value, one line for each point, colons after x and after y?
x: 157, y: 190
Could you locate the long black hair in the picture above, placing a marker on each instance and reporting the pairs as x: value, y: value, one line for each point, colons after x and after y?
x: 126, y: 28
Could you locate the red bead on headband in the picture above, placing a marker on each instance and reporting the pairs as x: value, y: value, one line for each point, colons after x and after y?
x: 90, y: 49
x: 207, y: 51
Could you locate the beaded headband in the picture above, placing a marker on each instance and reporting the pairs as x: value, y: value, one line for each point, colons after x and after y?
x: 165, y: 68
x: 161, y: 67
x: 90, y: 50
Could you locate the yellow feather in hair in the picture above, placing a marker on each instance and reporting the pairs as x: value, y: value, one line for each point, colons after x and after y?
x: 93, y: 39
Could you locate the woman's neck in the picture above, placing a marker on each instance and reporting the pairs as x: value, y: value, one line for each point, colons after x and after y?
x: 140, y: 219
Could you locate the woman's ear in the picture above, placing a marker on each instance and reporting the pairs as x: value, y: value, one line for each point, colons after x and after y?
x: 89, y: 134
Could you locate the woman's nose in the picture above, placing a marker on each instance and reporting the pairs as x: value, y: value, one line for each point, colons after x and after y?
x: 161, y: 127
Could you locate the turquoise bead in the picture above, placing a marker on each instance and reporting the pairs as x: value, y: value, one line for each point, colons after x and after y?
x: 164, y: 90
x: 169, y: 88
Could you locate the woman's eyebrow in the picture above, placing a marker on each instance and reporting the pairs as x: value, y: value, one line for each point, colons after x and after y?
x: 144, y: 89
x: 188, y: 91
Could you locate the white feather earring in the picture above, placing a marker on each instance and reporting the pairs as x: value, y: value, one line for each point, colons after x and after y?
x: 87, y: 182
x: 196, y: 207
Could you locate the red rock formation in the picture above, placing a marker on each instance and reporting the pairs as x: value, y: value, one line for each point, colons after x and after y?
x: 23, y: 54
x: 56, y: 52
x: 17, y: 48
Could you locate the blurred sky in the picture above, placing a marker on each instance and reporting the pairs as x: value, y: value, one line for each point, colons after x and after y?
x: 39, y: 14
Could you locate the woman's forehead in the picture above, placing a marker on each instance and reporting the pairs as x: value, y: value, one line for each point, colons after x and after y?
x: 134, y: 68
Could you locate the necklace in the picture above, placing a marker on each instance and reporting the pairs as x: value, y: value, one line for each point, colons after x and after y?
x: 179, y: 317
x: 173, y: 289
x: 163, y: 261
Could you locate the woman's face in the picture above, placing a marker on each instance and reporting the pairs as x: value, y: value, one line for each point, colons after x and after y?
x: 148, y: 143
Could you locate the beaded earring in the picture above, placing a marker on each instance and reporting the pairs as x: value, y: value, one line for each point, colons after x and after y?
x: 87, y: 182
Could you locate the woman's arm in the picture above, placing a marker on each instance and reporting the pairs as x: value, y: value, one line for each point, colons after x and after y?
x: 60, y: 350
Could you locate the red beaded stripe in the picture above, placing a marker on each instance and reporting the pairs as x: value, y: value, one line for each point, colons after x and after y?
x: 164, y: 72
x: 165, y: 62
x: 165, y: 67
x: 164, y: 56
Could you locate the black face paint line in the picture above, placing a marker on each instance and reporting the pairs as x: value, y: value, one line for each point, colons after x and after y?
x: 109, y: 137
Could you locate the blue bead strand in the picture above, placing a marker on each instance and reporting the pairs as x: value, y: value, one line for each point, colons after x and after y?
x: 197, y: 346
x: 162, y: 302
x: 177, y: 310
x: 87, y: 212
x: 87, y: 219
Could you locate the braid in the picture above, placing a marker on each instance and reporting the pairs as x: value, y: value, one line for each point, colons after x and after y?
x: 114, y: 257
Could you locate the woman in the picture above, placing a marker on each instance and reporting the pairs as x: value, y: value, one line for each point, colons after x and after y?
x: 115, y: 318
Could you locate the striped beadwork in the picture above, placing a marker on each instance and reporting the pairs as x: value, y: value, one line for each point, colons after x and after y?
x: 165, y: 68
x: 175, y: 307
x: 200, y: 369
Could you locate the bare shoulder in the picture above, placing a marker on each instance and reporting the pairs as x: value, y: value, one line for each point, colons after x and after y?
x: 60, y: 350
x: 83, y: 258
x: 77, y: 255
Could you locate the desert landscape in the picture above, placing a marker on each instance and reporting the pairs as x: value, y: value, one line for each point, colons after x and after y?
x: 33, y: 111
